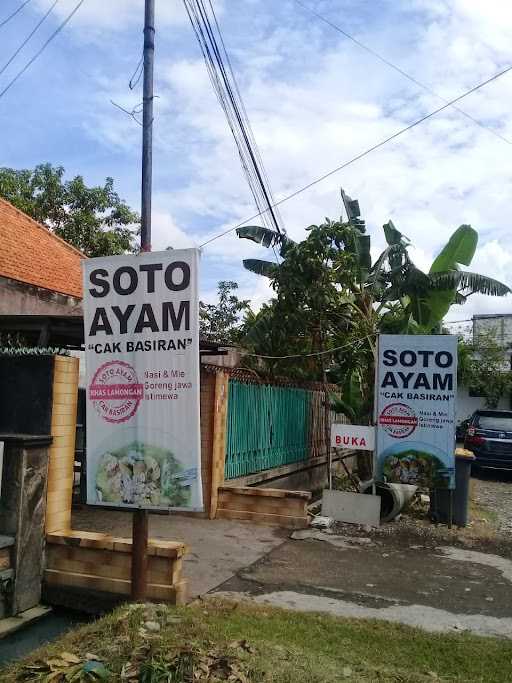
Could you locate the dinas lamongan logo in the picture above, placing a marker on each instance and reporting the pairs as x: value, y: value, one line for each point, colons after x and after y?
x: 116, y: 391
x: 398, y: 420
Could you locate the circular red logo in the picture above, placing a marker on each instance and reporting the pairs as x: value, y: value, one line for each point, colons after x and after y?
x: 399, y: 420
x: 116, y: 391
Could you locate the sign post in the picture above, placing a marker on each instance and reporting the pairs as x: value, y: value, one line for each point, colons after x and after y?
x: 415, y: 398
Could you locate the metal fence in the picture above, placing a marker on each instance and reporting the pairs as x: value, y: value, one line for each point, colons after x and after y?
x: 270, y: 426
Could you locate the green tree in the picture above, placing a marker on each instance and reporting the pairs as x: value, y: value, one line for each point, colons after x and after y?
x: 484, y: 368
x: 222, y: 321
x: 329, y: 293
x: 92, y: 219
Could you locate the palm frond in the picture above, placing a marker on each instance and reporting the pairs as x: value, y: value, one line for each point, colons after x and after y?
x: 392, y: 235
x: 266, y: 268
x: 264, y: 236
x: 468, y: 282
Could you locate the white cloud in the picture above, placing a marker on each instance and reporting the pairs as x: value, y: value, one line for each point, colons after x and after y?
x: 115, y: 15
x: 315, y: 101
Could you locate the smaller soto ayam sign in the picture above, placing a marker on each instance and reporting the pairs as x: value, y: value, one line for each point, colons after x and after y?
x: 416, y: 390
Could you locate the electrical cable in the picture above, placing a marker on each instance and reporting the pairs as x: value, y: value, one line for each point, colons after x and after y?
x: 398, y: 69
x: 34, y: 30
x: 365, y: 153
x: 316, y: 353
x: 42, y: 48
x: 220, y: 71
x: 237, y: 125
x: 137, y: 74
x: 11, y: 16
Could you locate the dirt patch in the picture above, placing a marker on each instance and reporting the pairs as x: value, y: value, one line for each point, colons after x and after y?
x: 495, y: 497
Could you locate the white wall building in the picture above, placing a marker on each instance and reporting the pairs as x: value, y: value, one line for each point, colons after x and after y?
x: 500, y: 325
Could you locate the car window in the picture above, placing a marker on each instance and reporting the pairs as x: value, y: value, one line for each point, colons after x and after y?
x: 499, y: 423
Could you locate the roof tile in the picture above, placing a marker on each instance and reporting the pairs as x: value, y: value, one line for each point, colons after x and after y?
x: 30, y: 253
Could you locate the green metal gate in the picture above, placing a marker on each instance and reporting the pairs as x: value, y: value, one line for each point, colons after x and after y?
x: 267, y: 426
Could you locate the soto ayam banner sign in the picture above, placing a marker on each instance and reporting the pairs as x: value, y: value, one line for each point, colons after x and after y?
x: 141, y: 318
x: 416, y: 389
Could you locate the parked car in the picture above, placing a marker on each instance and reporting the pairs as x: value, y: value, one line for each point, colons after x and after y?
x: 489, y: 437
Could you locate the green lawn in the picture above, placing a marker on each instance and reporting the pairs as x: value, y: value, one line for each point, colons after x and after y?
x: 240, y: 643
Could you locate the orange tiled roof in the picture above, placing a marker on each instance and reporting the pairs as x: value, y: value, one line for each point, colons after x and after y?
x: 30, y: 253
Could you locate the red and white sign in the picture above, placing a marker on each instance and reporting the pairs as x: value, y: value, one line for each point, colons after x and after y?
x: 353, y: 437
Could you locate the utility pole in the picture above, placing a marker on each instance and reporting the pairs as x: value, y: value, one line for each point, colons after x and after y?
x: 147, y: 124
x: 140, y: 517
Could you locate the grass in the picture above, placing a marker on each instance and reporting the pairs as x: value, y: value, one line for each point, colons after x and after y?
x: 242, y: 643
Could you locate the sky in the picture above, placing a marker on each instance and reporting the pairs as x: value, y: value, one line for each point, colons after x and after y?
x: 314, y: 99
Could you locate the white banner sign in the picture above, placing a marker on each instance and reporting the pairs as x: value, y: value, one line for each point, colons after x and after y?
x: 141, y: 323
x: 416, y: 391
x: 353, y: 437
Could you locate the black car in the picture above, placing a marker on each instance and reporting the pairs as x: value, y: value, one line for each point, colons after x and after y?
x: 489, y: 437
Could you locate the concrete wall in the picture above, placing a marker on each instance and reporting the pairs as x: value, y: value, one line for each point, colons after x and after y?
x: 466, y: 404
x: 18, y: 298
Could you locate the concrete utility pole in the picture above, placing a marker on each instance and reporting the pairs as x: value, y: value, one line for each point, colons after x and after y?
x: 140, y: 517
x: 147, y: 124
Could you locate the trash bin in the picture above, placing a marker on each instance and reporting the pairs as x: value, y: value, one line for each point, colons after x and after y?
x: 440, y: 498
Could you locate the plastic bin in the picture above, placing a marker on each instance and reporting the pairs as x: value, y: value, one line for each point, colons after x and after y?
x: 440, y: 498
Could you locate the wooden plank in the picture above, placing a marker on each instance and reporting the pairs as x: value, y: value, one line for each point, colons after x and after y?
x: 176, y: 595
x: 79, y: 560
x: 166, y: 548
x: 173, y: 594
x: 276, y: 506
x: 271, y: 493
x: 156, y: 546
x: 55, y: 577
x: 269, y: 519
x: 83, y: 539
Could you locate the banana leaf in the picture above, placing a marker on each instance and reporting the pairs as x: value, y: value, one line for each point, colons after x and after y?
x: 260, y: 267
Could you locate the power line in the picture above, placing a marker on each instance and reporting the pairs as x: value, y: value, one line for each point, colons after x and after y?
x: 222, y: 77
x: 365, y: 153
x: 34, y: 30
x: 398, y: 69
x: 137, y: 74
x: 11, y: 16
x: 42, y: 48
x: 316, y: 353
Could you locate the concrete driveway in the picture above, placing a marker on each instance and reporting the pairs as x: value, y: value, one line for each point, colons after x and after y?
x: 398, y: 578
x: 218, y: 548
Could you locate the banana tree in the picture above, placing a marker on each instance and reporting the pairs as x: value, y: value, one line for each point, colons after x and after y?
x: 425, y: 298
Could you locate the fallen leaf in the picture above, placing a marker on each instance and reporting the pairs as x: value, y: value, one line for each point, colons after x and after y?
x: 69, y: 657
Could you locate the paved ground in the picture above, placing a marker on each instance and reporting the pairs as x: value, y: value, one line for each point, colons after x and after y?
x: 409, y: 571
x: 218, y: 548
x: 389, y: 576
x: 494, y: 491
